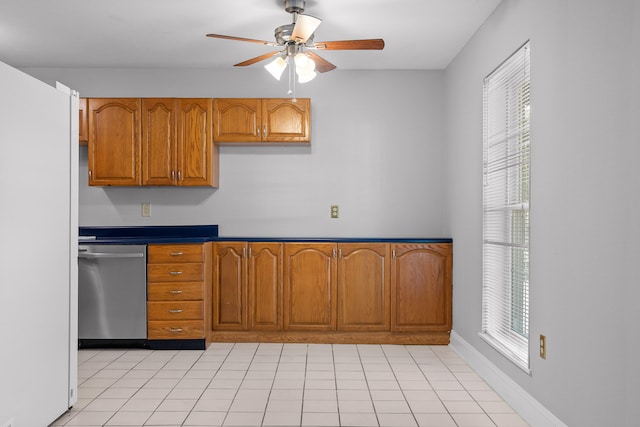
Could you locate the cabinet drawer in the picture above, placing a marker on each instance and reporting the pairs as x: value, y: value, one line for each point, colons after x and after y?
x: 174, y: 291
x: 167, y: 329
x: 157, y: 254
x: 175, y: 272
x: 178, y: 310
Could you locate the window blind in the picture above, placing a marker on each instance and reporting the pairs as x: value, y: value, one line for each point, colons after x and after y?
x: 506, y: 173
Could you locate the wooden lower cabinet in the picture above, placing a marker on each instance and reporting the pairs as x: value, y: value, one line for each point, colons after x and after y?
x: 330, y: 292
x: 229, y: 286
x: 247, y: 286
x: 265, y: 286
x: 363, y: 287
x: 178, y: 291
x: 310, y: 286
x: 421, y: 288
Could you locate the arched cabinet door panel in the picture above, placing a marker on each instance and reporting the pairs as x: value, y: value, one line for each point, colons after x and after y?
x: 421, y: 288
x: 363, y: 287
x: 114, y: 142
x: 310, y: 286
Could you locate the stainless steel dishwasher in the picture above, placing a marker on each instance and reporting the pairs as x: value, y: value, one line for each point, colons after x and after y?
x: 112, y: 294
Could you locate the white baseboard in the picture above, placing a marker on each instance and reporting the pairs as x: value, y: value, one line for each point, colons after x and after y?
x: 522, y: 402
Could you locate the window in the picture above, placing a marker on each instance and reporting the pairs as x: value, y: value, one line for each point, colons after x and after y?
x: 506, y: 174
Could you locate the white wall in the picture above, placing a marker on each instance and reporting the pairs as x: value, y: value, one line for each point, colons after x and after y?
x: 377, y: 151
x: 584, y: 200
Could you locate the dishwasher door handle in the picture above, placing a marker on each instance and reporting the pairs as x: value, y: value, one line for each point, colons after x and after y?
x: 110, y: 255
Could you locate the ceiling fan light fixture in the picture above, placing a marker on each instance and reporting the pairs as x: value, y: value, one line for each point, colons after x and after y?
x: 305, y: 26
x: 276, y: 67
x: 304, y: 64
x: 306, y: 77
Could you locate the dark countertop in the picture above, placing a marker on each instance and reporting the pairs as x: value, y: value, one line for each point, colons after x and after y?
x: 206, y: 233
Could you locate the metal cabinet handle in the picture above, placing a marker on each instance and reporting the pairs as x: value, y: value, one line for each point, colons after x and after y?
x: 175, y: 329
x: 175, y: 273
x: 173, y: 175
x: 258, y: 130
x: 175, y: 311
x: 264, y: 131
x: 90, y: 174
x: 179, y: 176
x: 175, y: 292
x: 250, y: 253
x: 334, y: 252
x: 339, y: 253
x: 176, y: 253
x: 244, y: 252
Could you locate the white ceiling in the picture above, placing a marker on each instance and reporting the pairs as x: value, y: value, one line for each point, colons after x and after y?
x: 418, y: 34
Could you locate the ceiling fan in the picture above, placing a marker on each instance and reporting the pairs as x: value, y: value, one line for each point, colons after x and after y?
x: 296, y: 42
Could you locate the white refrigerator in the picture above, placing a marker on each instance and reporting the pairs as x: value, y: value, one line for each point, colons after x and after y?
x: 38, y: 249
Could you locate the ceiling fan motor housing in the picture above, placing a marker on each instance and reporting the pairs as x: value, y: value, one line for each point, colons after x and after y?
x: 294, y: 6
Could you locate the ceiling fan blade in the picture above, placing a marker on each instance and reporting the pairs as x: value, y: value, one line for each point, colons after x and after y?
x: 241, y: 39
x: 366, y: 44
x: 305, y: 27
x: 322, y: 65
x: 257, y: 59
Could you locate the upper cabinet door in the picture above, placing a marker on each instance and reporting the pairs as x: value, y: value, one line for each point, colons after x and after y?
x: 159, y: 144
x: 237, y: 120
x: 286, y: 120
x: 114, y: 141
x: 196, y: 153
x: 83, y: 125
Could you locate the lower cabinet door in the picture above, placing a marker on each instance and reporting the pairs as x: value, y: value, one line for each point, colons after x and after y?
x: 229, y: 286
x: 363, y: 287
x: 265, y: 286
x: 310, y: 286
x: 421, y: 288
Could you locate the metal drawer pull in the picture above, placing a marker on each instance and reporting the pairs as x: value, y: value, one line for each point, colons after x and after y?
x: 175, y: 311
x: 175, y: 273
x: 176, y: 253
x: 175, y: 292
x: 175, y: 329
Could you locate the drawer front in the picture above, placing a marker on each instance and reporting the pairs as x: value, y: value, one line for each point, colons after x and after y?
x: 167, y: 329
x: 157, y: 254
x: 178, y: 310
x: 174, y: 291
x: 175, y: 272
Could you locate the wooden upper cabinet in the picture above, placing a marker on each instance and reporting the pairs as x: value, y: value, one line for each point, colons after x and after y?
x: 363, y: 287
x: 286, y: 121
x: 114, y: 141
x: 310, y: 275
x: 421, y: 287
x: 237, y: 120
x: 152, y: 141
x: 196, y: 152
x: 265, y: 286
x: 159, y: 145
x: 83, y: 125
x: 258, y: 120
x: 229, y: 286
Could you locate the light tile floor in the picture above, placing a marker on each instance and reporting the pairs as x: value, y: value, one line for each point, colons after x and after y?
x: 250, y: 384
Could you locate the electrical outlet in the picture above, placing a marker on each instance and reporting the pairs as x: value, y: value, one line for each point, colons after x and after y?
x: 334, y: 211
x: 146, y: 209
x: 543, y: 346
